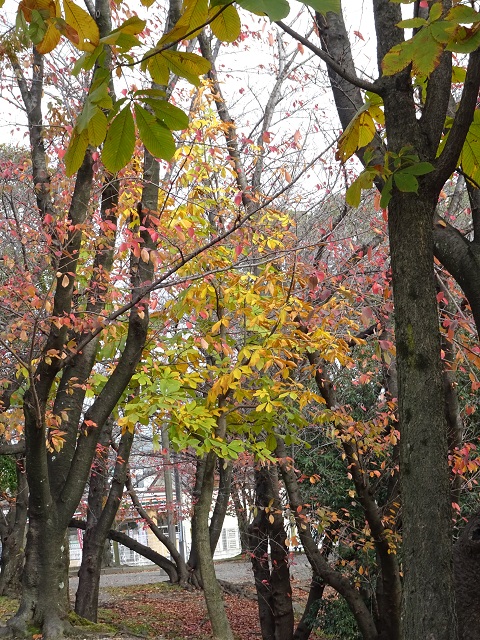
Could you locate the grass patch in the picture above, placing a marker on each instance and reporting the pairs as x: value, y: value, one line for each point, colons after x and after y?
x: 8, y: 607
x: 93, y: 627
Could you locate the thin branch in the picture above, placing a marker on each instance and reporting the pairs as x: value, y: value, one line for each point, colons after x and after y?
x: 375, y: 87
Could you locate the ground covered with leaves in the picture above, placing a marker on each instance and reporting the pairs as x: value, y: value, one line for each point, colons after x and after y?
x: 166, y: 612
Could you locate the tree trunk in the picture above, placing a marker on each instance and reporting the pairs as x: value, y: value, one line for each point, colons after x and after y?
x: 309, y: 617
x: 86, y: 602
x: 272, y: 578
x: 212, y: 592
x: 225, y: 470
x: 426, y: 512
x: 240, y: 512
x: 13, y: 538
x: 99, y: 521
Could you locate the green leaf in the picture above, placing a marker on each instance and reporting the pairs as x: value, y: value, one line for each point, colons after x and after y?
x: 133, y: 25
x: 174, y: 118
x: 167, y: 386
x: 468, y: 42
x: 412, y: 23
x: 353, y: 194
x: 364, y: 181
x: 158, y: 69
x: 422, y: 51
x: 324, y: 6
x: 386, y: 193
x: 419, y: 169
x: 124, y: 41
x: 156, y: 137
x: 97, y: 128
x: 458, y: 74
x: 274, y: 9
x: 87, y: 114
x: 186, y: 65
x: 120, y: 141
x: 227, y: 26
x: 463, y: 14
x: 436, y: 11
x: 470, y: 156
x: 271, y: 442
x: 99, y: 93
x: 405, y: 182
x: 76, y: 151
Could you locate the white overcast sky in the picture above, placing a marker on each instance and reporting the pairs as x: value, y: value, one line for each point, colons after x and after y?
x: 357, y: 15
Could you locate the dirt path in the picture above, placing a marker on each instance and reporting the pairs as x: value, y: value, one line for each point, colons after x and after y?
x: 236, y: 571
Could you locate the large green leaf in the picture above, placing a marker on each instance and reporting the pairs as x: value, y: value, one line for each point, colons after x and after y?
x: 120, y: 141
x: 97, y: 128
x: 226, y: 26
x: 324, y: 6
x: 405, y: 182
x: 156, y: 137
x: 423, y: 52
x: 186, y: 65
x: 76, y: 151
x: 470, y: 156
x: 274, y: 9
x: 173, y: 117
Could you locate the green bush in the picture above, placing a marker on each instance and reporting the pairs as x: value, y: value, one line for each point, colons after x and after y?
x: 336, y: 621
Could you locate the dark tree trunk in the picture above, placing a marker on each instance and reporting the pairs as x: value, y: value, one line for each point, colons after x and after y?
x: 240, y: 512
x: 13, y: 538
x: 309, y: 617
x: 272, y: 575
x: 100, y: 519
x: 225, y: 470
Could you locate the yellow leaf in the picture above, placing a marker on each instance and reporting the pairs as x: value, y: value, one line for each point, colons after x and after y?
x: 65, y: 281
x: 358, y: 134
x: 83, y: 24
x: 50, y: 40
x: 144, y: 254
x: 271, y: 519
x: 195, y: 14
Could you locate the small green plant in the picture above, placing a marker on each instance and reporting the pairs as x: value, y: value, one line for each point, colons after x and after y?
x: 336, y: 620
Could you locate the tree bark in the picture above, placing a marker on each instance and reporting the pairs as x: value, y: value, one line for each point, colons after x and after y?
x: 272, y: 575
x: 100, y: 518
x: 213, y: 595
x: 13, y: 538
